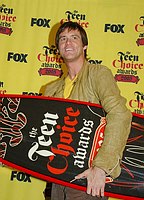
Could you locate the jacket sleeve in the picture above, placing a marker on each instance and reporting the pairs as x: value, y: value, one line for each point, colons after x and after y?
x: 118, y: 120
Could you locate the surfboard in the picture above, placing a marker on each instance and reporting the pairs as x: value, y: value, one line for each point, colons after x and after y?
x: 55, y: 139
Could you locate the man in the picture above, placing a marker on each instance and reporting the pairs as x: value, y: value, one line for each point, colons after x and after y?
x: 91, y: 83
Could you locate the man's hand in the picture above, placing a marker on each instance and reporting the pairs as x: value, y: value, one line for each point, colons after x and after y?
x: 96, y: 178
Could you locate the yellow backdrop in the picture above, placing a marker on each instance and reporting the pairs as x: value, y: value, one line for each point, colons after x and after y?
x: 17, y: 185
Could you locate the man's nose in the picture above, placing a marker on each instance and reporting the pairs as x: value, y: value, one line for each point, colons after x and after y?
x: 68, y: 40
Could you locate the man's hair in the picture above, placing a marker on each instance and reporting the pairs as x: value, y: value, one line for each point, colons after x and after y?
x: 72, y: 26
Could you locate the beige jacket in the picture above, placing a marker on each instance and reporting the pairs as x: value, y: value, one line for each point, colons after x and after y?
x: 95, y: 83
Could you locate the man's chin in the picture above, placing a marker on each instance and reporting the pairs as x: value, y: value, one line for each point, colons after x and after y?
x: 69, y: 58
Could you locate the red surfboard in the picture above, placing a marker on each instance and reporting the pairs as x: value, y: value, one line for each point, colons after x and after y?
x: 55, y: 139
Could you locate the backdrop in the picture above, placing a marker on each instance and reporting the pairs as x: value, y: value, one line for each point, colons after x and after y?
x: 16, y: 185
x: 28, y: 57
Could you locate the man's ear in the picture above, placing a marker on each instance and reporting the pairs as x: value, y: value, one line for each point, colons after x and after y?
x: 85, y: 47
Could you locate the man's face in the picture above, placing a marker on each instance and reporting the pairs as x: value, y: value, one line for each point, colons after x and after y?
x: 70, y: 45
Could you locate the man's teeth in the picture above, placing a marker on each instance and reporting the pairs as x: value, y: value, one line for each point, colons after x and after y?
x: 68, y: 49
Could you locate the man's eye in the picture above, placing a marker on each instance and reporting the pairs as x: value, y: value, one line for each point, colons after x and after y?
x: 75, y: 37
x: 62, y: 39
